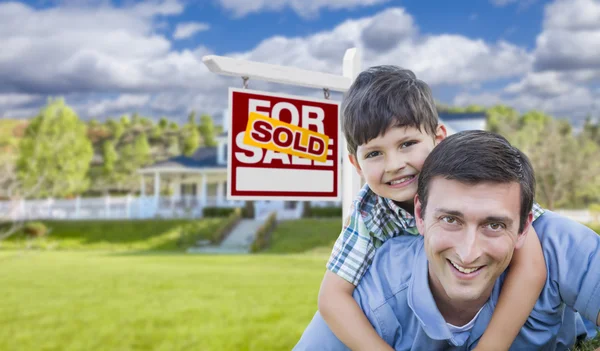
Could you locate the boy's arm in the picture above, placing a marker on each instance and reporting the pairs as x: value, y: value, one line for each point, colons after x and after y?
x: 520, y: 291
x: 344, y: 316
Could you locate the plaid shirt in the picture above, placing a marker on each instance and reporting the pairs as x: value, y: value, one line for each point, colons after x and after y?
x: 373, y: 220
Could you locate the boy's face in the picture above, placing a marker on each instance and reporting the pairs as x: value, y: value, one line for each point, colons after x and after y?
x: 390, y: 163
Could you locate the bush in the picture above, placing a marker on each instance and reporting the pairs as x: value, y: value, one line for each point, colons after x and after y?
x: 234, y: 217
x: 263, y: 234
x: 595, y: 212
x: 218, y: 211
x: 35, y: 229
x: 323, y: 212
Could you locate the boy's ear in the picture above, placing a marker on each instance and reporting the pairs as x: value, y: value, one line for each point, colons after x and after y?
x: 354, y: 162
x: 440, y: 133
x: 418, y: 218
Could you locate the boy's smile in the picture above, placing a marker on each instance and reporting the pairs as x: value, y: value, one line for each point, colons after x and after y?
x: 390, y: 163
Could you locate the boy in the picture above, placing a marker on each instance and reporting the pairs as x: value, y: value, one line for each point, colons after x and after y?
x: 390, y: 122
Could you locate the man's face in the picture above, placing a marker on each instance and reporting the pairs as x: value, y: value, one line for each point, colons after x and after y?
x: 391, y: 162
x: 470, y: 234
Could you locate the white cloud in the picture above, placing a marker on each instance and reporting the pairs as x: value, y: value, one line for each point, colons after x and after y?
x: 304, y: 8
x: 188, y: 29
x: 570, y: 37
x: 124, y: 103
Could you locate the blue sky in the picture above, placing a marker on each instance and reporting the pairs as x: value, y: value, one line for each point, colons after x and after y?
x: 109, y: 58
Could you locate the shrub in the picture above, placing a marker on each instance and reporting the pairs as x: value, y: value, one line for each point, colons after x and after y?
x: 35, y: 229
x: 234, y: 217
x: 218, y: 211
x: 263, y: 234
x: 324, y: 212
x: 595, y: 212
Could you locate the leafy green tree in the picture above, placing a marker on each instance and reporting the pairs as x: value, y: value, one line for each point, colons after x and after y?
x: 191, y: 140
x: 503, y: 120
x: 55, y: 153
x: 110, y: 156
x: 173, y: 126
x: 125, y: 121
x: 207, y: 130
x: 173, y: 146
x: 192, y: 118
x: 116, y: 129
x: 163, y: 123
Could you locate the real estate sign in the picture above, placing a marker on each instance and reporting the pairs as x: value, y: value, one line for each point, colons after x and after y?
x: 282, y: 147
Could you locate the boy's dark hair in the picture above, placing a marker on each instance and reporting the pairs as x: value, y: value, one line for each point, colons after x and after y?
x: 477, y: 156
x: 382, y: 97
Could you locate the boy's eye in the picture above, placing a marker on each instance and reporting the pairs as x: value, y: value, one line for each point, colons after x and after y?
x: 372, y: 154
x: 408, y: 143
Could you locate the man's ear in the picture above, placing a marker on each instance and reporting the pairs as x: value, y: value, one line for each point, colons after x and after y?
x: 354, y: 162
x: 526, y: 228
x: 418, y: 218
x: 440, y: 133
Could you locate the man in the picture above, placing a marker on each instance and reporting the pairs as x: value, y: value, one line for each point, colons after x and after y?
x: 473, y: 209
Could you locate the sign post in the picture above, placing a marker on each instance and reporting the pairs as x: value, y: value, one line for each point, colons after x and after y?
x: 298, y: 77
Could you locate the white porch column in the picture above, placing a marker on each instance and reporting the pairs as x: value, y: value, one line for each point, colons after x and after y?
x: 203, y: 189
x: 220, y: 192
x: 156, y: 187
x: 143, y: 186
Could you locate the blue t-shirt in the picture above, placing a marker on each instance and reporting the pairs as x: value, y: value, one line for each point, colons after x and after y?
x: 401, y: 308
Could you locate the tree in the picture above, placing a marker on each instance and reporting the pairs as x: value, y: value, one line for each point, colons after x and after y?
x: 163, y: 123
x: 55, y: 148
x: 116, y: 129
x: 192, y: 118
x: 132, y: 156
x: 110, y: 156
x: 207, y: 130
x: 173, y: 145
x: 191, y: 140
x: 503, y: 120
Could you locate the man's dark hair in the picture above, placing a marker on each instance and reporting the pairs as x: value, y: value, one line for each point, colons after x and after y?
x: 382, y: 97
x: 477, y: 156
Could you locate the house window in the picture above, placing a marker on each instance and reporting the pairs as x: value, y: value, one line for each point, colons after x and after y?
x: 224, y: 154
x: 189, y: 189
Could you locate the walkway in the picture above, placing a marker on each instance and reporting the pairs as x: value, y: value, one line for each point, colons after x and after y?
x: 237, y: 242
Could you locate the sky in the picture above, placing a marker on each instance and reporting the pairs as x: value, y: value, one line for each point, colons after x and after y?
x: 109, y: 58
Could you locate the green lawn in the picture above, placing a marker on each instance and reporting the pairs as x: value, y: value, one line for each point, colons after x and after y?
x: 163, y: 300
x: 101, y: 301
x: 314, y: 235
x: 145, y: 235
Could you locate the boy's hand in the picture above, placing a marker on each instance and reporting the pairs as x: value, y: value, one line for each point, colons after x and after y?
x: 345, y: 318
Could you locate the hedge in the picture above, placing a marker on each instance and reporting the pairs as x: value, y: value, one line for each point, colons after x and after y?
x: 263, y: 234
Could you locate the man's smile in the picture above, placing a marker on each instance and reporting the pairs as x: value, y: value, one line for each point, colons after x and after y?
x: 465, y: 272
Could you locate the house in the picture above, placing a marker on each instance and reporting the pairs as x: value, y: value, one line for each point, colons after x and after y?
x: 200, y: 180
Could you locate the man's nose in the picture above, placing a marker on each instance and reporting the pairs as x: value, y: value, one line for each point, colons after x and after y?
x: 468, y: 249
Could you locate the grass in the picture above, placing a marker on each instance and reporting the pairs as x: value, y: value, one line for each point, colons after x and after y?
x: 298, y: 236
x: 92, y: 301
x: 164, y: 300
x: 145, y: 235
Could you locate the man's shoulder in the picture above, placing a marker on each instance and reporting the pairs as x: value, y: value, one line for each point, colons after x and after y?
x: 391, y: 270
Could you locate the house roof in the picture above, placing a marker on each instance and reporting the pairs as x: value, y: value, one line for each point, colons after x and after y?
x: 204, y: 157
x: 458, y: 122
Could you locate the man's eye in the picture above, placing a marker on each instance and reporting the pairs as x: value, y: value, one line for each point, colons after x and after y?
x: 496, y: 226
x: 449, y: 220
x: 372, y: 154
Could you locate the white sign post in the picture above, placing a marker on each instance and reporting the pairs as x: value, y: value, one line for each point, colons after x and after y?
x: 305, y: 78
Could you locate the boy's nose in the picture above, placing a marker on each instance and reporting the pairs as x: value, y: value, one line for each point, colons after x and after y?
x: 394, y: 164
